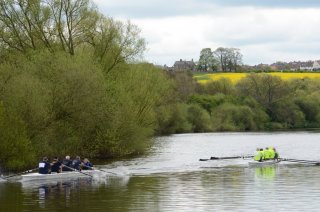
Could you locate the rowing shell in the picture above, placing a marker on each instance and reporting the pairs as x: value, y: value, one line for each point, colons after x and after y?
x: 263, y: 163
x: 59, y: 176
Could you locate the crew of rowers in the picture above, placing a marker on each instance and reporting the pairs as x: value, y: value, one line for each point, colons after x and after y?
x: 269, y: 153
x: 56, y: 166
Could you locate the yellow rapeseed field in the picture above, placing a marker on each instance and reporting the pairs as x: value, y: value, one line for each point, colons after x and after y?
x: 235, y: 77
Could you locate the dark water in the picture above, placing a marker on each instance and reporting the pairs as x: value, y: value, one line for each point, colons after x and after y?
x: 171, y: 178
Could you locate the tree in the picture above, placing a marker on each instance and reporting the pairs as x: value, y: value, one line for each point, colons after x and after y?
x: 230, y: 117
x: 74, y: 22
x: 223, y: 85
x: 70, y: 26
x: 35, y: 24
x: 199, y: 118
x: 229, y: 58
x: 207, y: 62
x: 17, y: 151
x: 265, y: 89
x: 116, y: 42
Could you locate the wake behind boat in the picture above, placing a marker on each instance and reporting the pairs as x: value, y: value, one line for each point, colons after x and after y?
x: 60, y: 176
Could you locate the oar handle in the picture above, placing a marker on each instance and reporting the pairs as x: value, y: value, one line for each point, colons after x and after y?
x: 232, y: 157
x: 99, y: 169
x: 301, y: 161
x: 31, y: 170
x: 225, y: 158
x: 76, y: 170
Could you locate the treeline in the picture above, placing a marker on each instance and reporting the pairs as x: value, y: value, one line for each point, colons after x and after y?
x: 257, y: 102
x: 70, y: 84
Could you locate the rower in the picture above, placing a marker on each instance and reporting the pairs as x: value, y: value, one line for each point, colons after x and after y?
x: 259, y: 155
x: 66, y: 163
x: 272, y: 153
x: 44, y: 166
x: 76, y: 163
x: 86, y: 164
x: 267, y: 154
x: 56, y: 165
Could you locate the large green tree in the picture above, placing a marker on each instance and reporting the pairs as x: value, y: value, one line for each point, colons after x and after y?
x: 70, y: 26
x: 207, y: 61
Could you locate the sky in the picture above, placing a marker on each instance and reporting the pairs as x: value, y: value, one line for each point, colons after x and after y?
x: 265, y: 31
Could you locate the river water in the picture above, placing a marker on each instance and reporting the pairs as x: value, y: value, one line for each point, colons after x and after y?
x: 171, y: 178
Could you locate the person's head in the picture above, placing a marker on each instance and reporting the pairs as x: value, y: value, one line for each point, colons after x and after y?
x: 261, y: 149
x: 267, y: 148
x: 68, y: 157
x: 257, y: 149
x: 85, y: 160
x: 55, y: 159
x: 78, y: 157
x: 45, y: 159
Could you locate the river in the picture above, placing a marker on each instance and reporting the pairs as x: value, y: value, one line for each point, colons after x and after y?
x: 171, y: 178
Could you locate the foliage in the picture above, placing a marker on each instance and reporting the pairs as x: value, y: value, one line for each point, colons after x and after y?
x: 16, y: 148
x: 199, y: 118
x: 265, y: 89
x: 223, y: 86
x: 207, y: 61
x: 230, y: 117
x: 229, y: 58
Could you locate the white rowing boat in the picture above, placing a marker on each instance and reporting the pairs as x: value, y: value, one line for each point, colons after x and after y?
x: 263, y: 163
x: 60, y: 176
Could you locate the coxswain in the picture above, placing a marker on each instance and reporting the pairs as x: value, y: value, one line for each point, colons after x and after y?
x: 86, y: 164
x: 276, y: 154
x: 56, y: 165
x: 44, y: 166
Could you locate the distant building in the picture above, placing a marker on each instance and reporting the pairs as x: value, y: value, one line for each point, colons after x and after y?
x: 316, y: 65
x: 308, y: 66
x: 183, y: 65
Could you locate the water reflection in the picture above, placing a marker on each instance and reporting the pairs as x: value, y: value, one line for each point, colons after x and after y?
x: 173, y: 179
x: 65, y: 193
x: 267, y: 172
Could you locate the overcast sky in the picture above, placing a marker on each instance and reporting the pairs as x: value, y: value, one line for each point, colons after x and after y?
x: 265, y: 31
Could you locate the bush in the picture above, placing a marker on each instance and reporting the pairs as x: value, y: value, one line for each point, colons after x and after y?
x: 199, y: 118
x: 16, y: 149
x: 229, y: 117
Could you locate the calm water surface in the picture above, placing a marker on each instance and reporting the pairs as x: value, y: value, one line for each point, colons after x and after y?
x: 171, y: 178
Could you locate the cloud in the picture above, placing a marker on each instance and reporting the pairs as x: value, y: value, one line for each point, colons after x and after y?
x: 270, y: 3
x: 160, y: 8
x: 153, y: 8
x: 264, y: 31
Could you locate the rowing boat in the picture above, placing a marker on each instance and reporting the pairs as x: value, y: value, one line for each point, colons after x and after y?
x: 263, y: 163
x: 58, y: 176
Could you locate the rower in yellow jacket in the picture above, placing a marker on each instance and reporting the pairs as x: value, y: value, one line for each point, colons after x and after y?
x: 267, y: 154
x: 272, y: 153
x: 259, y: 155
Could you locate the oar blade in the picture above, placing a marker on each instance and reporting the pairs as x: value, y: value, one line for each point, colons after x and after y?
x: 203, y: 159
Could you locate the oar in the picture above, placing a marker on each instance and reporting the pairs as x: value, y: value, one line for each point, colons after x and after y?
x: 76, y: 170
x: 91, y: 168
x: 301, y: 161
x: 226, y: 158
x: 14, y: 175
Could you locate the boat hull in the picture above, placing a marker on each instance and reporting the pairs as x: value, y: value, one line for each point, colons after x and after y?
x: 263, y: 163
x: 59, y: 176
